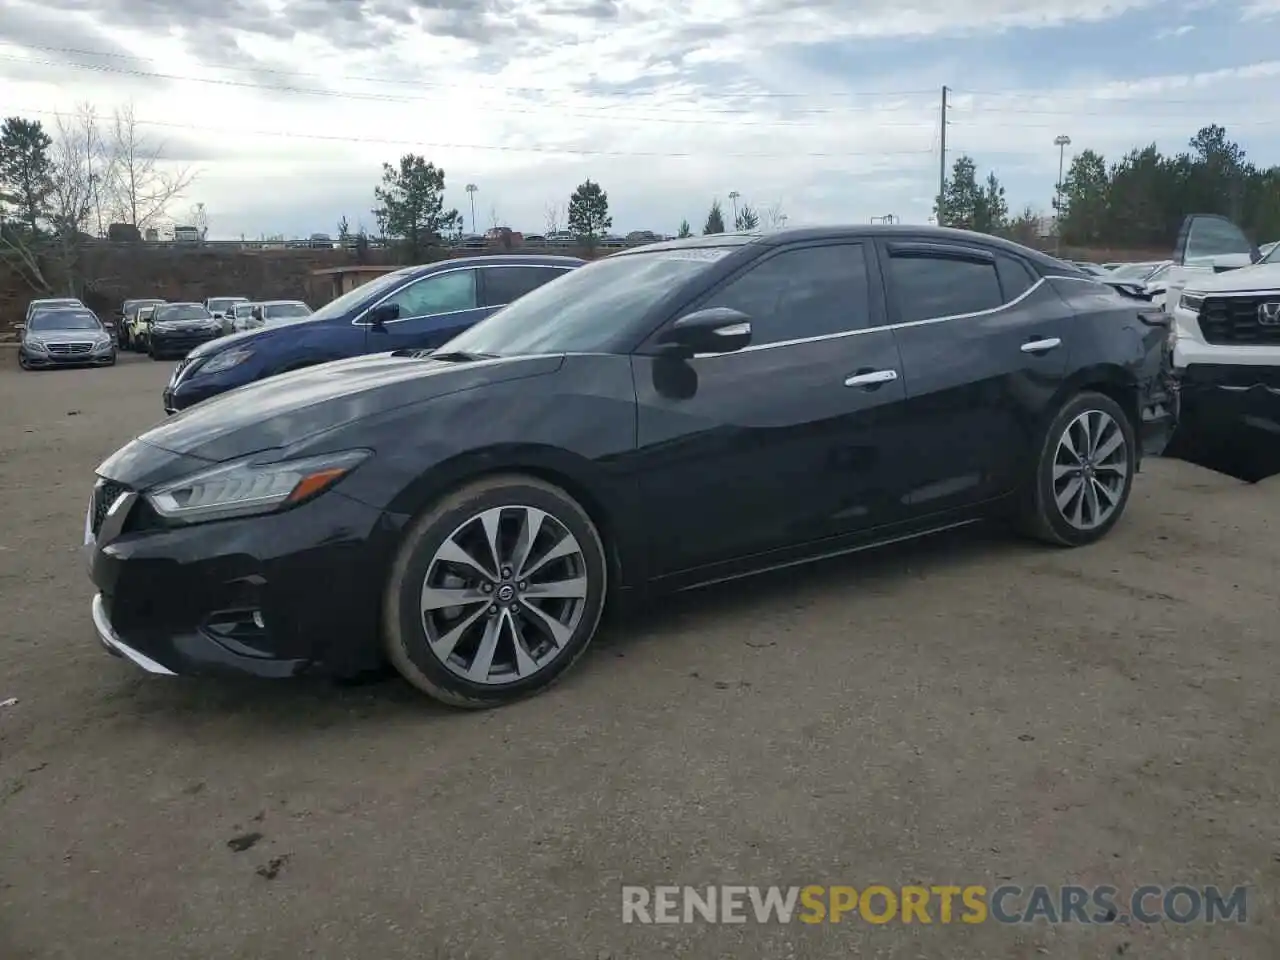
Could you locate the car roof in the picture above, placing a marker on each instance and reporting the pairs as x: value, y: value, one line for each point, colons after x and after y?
x: 182, y: 303
x: 494, y: 260
x: 276, y: 303
x: 859, y: 231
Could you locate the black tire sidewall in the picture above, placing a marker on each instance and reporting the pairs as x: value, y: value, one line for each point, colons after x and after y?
x: 1047, y: 506
x: 410, y: 634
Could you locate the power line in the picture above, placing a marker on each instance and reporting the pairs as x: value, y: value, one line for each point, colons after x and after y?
x: 889, y: 94
x: 566, y: 151
x: 1062, y: 93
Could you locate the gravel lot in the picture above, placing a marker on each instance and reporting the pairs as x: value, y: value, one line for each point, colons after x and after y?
x: 973, y: 710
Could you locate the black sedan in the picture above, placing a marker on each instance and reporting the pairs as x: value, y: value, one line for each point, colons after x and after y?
x: 666, y: 417
x: 178, y: 328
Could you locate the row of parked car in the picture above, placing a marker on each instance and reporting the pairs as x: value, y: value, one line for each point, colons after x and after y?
x: 167, y: 330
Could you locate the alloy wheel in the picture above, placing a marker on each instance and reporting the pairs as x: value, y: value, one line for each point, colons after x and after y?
x: 1090, y: 469
x: 503, y: 595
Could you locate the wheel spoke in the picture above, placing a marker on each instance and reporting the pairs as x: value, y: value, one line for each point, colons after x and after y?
x: 1120, y: 469
x: 525, y: 665
x: 1069, y: 493
x: 450, y: 552
x: 567, y: 547
x: 573, y: 588
x: 1061, y: 470
x: 1109, y: 497
x: 483, y: 662
x: 441, y: 598
x: 1091, y: 494
x: 1089, y: 422
x: 530, y: 527
x: 559, y: 632
x: 443, y: 646
x: 491, y: 520
x: 1114, y: 443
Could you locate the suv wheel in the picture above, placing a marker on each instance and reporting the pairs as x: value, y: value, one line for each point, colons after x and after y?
x: 496, y: 591
x: 1084, y: 473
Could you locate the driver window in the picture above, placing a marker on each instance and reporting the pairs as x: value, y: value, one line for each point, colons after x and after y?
x: 1211, y: 237
x: 442, y: 293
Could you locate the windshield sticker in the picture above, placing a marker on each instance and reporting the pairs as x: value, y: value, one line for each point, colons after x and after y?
x: 697, y: 253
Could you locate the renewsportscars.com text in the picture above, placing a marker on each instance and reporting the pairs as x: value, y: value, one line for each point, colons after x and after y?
x: 971, y: 904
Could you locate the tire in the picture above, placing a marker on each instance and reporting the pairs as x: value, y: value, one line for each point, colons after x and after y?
x: 22, y: 361
x: 408, y: 629
x: 1066, y: 526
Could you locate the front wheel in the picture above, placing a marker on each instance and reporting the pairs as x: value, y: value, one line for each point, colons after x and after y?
x: 1084, y: 473
x: 495, y: 592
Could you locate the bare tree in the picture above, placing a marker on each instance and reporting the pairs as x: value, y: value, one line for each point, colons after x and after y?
x: 494, y: 220
x: 554, y: 217
x: 772, y: 216
x: 142, y: 189
x: 99, y: 161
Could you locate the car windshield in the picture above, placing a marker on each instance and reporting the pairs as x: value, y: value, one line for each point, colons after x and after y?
x: 583, y: 310
x: 1273, y: 255
x: 380, y: 285
x: 181, y: 311
x: 47, y: 320
x: 286, y: 311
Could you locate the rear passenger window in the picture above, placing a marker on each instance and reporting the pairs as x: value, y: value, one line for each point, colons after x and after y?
x: 810, y: 292
x: 927, y: 287
x: 502, y: 285
x: 1015, y: 278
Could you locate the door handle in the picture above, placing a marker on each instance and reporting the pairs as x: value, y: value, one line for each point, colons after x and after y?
x: 871, y: 378
x: 1041, y: 346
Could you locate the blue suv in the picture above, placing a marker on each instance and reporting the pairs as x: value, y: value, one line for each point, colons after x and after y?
x: 417, y: 308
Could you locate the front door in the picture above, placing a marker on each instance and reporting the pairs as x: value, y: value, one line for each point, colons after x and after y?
x: 788, y: 441
x: 984, y: 345
x: 432, y: 310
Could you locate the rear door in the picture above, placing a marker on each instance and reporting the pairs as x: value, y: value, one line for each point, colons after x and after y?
x: 433, y: 309
x: 786, y: 442
x: 501, y: 285
x: 984, y: 345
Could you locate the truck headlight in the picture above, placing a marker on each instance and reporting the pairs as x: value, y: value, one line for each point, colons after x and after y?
x: 1192, y: 302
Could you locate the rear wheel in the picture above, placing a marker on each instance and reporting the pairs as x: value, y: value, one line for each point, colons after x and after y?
x: 496, y: 591
x: 1084, y: 474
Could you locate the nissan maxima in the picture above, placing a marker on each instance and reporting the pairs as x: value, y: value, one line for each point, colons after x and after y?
x: 662, y: 418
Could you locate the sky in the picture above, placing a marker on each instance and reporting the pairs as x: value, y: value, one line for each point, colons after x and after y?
x: 827, y: 111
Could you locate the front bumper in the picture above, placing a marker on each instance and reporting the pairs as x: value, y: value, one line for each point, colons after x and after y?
x: 50, y: 360
x: 268, y: 596
x: 1223, y: 397
x: 180, y: 343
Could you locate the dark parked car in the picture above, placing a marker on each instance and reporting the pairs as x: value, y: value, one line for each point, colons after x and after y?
x: 667, y: 417
x: 413, y: 308
x: 177, y: 328
x: 127, y: 315
x: 65, y: 337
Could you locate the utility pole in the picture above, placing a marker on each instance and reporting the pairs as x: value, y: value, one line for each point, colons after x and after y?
x: 942, y: 156
x: 1061, y: 142
x: 733, y: 196
x: 471, y: 191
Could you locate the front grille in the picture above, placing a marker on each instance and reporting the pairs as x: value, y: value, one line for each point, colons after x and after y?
x: 105, y: 493
x: 68, y: 349
x: 1235, y: 321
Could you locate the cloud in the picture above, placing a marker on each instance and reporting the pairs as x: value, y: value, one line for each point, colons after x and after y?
x: 831, y: 107
x: 1171, y: 32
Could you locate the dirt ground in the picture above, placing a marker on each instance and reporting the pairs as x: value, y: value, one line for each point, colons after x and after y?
x: 972, y: 710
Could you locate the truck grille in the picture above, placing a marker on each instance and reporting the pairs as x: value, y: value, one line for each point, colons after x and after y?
x: 105, y: 493
x: 1235, y: 321
x: 68, y: 349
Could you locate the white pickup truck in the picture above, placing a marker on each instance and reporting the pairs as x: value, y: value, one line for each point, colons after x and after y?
x: 1225, y: 300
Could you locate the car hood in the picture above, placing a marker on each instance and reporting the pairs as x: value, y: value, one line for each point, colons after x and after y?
x: 286, y: 409
x: 65, y: 336
x: 1260, y: 277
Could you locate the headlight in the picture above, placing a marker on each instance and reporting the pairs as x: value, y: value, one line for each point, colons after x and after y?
x: 36, y: 345
x: 1192, y: 302
x: 161, y: 327
x: 246, y: 488
x: 227, y: 360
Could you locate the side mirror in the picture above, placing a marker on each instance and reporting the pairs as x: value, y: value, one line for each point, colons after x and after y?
x: 109, y: 327
x: 714, y: 330
x: 19, y: 327
x: 383, y: 313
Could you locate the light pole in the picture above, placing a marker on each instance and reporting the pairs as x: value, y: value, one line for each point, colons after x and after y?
x: 471, y: 192
x: 733, y: 198
x: 1061, y: 142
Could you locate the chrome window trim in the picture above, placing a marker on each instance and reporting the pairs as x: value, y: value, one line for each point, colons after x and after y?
x: 357, y: 321
x: 910, y: 323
